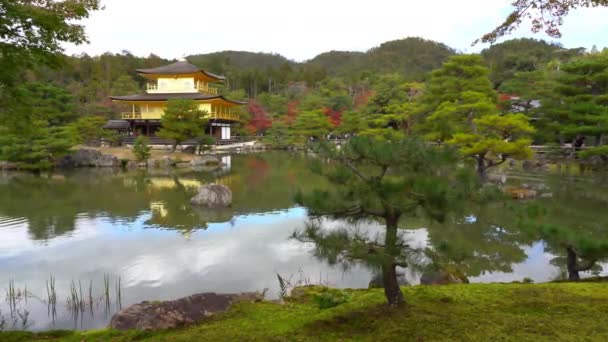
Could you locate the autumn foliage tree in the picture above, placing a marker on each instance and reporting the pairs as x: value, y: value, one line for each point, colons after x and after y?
x: 259, y: 120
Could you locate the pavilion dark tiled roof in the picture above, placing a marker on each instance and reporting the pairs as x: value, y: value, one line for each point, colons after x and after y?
x: 171, y: 96
x: 117, y: 124
x: 180, y: 67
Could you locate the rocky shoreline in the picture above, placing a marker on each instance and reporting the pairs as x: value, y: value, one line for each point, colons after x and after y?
x: 92, y: 157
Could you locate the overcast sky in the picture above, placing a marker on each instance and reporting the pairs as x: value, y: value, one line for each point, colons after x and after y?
x: 301, y: 30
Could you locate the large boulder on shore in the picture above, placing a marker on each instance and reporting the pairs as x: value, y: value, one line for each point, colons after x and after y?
x: 204, y: 161
x: 5, y: 165
x: 213, y: 196
x: 83, y: 157
x: 177, y: 313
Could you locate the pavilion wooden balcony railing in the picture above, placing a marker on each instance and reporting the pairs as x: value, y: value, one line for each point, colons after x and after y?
x: 130, y: 116
x: 141, y: 116
x: 206, y: 89
x: 225, y: 116
x: 158, y: 116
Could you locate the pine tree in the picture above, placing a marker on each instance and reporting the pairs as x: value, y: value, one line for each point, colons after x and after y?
x: 279, y: 135
x: 37, y: 131
x: 124, y: 85
x: 579, y: 106
x: 182, y: 120
x: 463, y: 112
x: 35, y: 147
x: 379, y: 180
x: 311, y: 125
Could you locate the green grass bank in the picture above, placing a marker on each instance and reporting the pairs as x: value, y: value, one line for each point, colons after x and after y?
x: 474, y: 312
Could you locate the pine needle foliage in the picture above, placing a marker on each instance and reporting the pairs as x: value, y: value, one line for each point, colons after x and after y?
x: 385, y: 181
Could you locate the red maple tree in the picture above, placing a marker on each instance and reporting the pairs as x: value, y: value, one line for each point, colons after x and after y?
x: 259, y: 120
x: 292, y: 111
x: 335, y: 116
x: 362, y: 98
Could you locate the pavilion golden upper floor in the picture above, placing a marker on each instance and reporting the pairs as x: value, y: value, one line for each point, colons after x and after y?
x: 180, y: 80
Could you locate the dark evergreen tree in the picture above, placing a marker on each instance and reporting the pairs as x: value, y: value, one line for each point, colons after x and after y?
x: 385, y: 181
x: 182, y: 120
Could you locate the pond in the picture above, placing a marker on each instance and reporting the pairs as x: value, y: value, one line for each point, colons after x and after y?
x: 101, y: 239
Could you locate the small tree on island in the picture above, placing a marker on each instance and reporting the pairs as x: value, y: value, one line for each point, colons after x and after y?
x: 141, y: 149
x: 205, y: 142
x: 463, y: 111
x: 379, y: 180
x: 182, y: 120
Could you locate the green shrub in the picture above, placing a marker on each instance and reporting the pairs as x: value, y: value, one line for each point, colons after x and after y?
x: 330, y: 298
x: 141, y: 149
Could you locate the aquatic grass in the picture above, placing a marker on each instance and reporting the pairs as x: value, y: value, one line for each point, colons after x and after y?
x: 2, y: 322
x: 78, y: 300
x: 51, y: 297
x: 81, y: 299
x: 12, y: 296
x: 91, y: 296
x: 106, y: 292
x: 23, y: 318
x: 284, y: 285
x: 118, y: 295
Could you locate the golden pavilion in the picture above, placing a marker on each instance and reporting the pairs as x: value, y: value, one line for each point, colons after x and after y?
x: 180, y: 80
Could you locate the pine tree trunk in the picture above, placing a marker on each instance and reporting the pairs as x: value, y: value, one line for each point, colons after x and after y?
x: 392, y: 291
x: 572, y: 265
x: 481, y: 168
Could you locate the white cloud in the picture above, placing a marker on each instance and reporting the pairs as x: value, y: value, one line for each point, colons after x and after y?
x: 302, y: 30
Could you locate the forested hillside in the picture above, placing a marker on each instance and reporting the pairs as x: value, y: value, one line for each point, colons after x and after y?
x: 412, y: 58
x: 340, y: 92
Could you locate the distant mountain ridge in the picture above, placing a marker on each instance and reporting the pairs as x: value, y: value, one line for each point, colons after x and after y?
x: 413, y: 57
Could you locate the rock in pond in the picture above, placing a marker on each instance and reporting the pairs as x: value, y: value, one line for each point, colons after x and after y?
x: 167, y: 161
x: 213, y: 196
x: 189, y: 149
x: 177, y: 313
x: 204, y: 160
x: 107, y: 160
x: 522, y: 193
x: 132, y: 164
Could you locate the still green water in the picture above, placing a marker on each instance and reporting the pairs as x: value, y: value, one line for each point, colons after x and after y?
x: 138, y: 227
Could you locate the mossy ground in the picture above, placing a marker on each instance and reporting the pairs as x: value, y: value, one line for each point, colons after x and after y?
x: 474, y: 312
